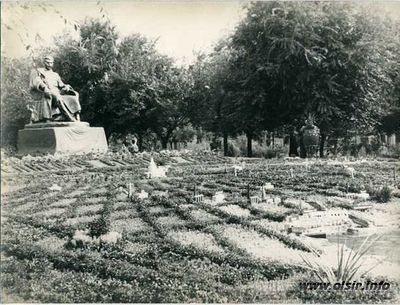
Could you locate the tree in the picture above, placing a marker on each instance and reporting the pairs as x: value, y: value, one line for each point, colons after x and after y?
x: 14, y: 98
x: 390, y: 123
x: 212, y: 93
x: 321, y: 58
x: 126, y: 87
x: 86, y: 64
x: 169, y: 109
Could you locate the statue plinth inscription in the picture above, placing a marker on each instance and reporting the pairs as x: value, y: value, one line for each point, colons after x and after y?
x: 61, y: 137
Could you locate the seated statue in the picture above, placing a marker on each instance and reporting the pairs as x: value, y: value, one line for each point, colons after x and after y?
x: 54, y: 100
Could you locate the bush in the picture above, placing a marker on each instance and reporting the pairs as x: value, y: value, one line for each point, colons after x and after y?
x: 373, y: 147
x: 382, y: 195
x: 238, y: 148
x: 394, y: 152
x: 352, y: 186
x: 233, y: 150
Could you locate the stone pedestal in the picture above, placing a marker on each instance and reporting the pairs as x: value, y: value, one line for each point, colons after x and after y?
x: 61, y: 137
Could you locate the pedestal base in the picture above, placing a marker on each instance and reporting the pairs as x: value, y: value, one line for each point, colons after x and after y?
x: 65, y: 137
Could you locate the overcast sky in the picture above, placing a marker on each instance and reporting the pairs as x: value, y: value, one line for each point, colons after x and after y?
x: 181, y: 26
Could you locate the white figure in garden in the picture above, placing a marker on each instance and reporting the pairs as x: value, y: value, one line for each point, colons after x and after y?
x: 349, y: 171
x: 155, y: 171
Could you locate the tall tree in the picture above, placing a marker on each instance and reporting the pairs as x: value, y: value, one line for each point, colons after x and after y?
x: 212, y: 93
x: 323, y: 58
x: 14, y: 98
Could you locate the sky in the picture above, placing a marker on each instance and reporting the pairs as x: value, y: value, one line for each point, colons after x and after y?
x: 181, y: 26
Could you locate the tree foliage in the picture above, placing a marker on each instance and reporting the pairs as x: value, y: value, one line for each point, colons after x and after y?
x: 125, y: 86
x: 14, y: 98
x: 287, y: 60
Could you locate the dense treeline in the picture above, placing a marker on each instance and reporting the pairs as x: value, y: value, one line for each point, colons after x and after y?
x: 288, y: 60
x: 336, y: 62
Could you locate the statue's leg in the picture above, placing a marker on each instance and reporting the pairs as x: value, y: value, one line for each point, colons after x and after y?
x: 64, y: 109
x: 77, y: 116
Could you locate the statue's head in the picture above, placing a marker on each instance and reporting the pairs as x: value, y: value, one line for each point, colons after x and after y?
x: 48, y: 62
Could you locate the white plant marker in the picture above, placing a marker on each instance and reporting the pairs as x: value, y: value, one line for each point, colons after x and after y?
x: 291, y: 173
x: 55, y: 187
x: 268, y: 186
x: 219, y: 197
x: 263, y: 194
x: 235, y: 171
x: 129, y: 190
x: 143, y: 194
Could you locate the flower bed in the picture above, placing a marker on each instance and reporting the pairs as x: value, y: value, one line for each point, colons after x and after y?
x: 81, y: 220
x: 170, y: 221
x: 260, y: 246
x: 267, y: 224
x: 94, y: 200
x: 198, y: 240
x: 165, y: 248
x: 270, y: 207
x: 235, y: 210
x: 203, y: 216
x: 52, y: 212
x: 133, y: 225
x: 131, y: 213
x: 89, y: 209
x: 63, y: 203
x: 52, y: 244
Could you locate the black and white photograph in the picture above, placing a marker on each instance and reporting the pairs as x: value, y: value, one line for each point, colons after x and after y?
x: 187, y: 151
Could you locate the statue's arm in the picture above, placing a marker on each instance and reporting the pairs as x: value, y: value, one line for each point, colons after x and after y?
x: 62, y: 85
x: 36, y: 82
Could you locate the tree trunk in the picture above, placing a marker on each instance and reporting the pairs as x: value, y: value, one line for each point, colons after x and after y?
x: 293, y: 146
x: 164, y: 143
x: 335, y: 147
x: 268, y: 138
x: 225, y: 136
x: 249, y: 144
x: 140, y: 141
x: 303, y: 153
x: 273, y: 139
x: 321, y: 145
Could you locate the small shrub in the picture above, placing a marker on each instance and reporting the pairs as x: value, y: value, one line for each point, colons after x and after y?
x: 270, y: 153
x: 394, y: 152
x: 352, y: 187
x: 349, y: 266
x: 373, y: 147
x: 381, y: 195
x: 384, y: 194
x: 233, y: 150
x: 99, y: 227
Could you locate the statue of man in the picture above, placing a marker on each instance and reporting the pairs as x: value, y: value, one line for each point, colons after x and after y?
x: 56, y: 101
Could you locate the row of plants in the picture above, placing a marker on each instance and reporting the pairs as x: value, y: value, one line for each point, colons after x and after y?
x: 177, y: 269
